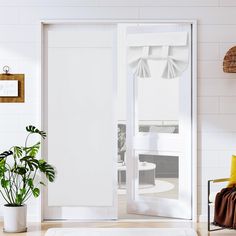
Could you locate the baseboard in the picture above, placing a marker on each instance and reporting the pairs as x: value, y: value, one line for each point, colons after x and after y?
x: 33, y: 218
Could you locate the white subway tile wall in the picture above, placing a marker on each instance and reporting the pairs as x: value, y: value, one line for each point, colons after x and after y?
x: 19, y: 48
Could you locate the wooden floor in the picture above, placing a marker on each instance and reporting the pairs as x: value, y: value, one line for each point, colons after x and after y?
x: 37, y: 229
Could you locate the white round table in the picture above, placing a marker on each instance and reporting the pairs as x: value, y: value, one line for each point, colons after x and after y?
x: 144, y: 168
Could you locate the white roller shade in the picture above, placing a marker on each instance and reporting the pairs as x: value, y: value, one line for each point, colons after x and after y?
x: 172, y: 48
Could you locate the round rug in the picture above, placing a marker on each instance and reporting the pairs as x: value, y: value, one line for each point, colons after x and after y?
x: 160, y: 186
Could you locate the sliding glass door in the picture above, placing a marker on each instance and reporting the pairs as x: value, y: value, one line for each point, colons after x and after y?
x: 150, y: 66
x: 159, y: 143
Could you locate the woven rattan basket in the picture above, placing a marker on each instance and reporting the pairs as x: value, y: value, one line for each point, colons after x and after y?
x: 229, y: 64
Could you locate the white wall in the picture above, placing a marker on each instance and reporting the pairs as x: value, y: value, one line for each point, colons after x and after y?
x: 19, y: 48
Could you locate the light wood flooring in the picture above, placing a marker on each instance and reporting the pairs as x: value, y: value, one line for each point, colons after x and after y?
x: 37, y: 229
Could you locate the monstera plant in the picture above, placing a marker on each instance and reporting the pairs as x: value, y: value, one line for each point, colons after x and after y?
x: 20, y: 179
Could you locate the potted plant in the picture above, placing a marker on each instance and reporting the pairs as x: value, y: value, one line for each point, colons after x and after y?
x: 20, y: 179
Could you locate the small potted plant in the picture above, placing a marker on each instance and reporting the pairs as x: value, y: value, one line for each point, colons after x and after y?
x: 20, y: 179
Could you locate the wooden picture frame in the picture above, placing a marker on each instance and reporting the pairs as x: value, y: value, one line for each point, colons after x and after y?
x: 21, y: 88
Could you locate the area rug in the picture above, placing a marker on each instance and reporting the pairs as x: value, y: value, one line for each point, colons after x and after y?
x: 160, y: 187
x: 120, y: 232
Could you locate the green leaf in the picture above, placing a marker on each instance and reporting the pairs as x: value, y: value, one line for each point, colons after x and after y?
x: 36, y: 192
x: 32, y: 129
x: 42, y: 183
x: 2, y: 174
x: 32, y: 150
x: 2, y: 167
x: 5, y: 154
x: 2, y: 161
x: 31, y: 162
x: 5, y: 183
x: 17, y: 151
x: 19, y: 198
x: 41, y: 161
x: 22, y: 191
x: 47, y: 169
x: 30, y: 183
x: 20, y: 170
x: 30, y: 166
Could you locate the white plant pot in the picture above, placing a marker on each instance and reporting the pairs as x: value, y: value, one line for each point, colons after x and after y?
x: 15, y: 219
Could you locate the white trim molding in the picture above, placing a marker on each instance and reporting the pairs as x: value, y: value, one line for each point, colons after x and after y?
x: 193, y: 23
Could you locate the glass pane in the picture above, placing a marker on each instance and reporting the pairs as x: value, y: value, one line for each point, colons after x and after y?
x: 121, y: 161
x: 158, y: 176
x: 158, y: 102
x: 121, y: 142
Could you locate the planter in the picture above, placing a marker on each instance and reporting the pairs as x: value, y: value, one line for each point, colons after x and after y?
x: 15, y: 219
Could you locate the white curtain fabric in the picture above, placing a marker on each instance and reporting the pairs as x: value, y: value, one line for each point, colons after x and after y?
x: 171, y: 48
x: 141, y: 68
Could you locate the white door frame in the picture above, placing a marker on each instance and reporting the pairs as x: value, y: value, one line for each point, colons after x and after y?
x: 194, y: 88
